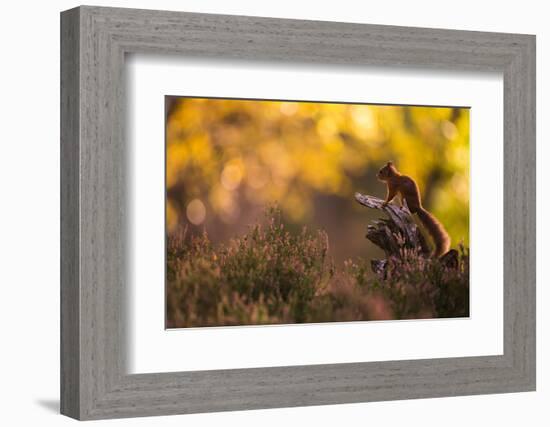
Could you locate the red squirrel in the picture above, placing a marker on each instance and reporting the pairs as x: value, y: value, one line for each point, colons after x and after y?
x: 407, y: 188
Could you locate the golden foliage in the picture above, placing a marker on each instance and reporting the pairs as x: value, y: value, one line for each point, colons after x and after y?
x: 227, y: 159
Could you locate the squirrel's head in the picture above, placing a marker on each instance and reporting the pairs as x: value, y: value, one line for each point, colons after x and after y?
x: 387, y: 172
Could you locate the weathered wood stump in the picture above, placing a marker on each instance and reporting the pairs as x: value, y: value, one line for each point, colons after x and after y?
x: 394, y: 233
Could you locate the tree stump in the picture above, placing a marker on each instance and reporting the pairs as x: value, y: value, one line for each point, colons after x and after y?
x: 394, y: 233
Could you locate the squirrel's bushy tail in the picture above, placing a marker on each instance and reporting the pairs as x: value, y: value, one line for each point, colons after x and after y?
x: 441, y: 239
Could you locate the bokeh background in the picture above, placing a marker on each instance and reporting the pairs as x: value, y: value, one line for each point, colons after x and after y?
x: 228, y: 159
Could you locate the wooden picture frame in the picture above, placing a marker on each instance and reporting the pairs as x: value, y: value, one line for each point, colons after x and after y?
x: 94, y: 382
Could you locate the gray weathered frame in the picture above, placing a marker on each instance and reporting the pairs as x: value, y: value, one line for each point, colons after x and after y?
x: 94, y: 42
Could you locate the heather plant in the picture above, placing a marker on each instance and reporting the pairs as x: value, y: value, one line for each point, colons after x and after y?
x: 270, y: 276
x: 266, y: 276
x: 417, y: 286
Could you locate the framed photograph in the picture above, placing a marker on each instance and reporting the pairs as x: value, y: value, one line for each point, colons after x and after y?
x: 261, y: 213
